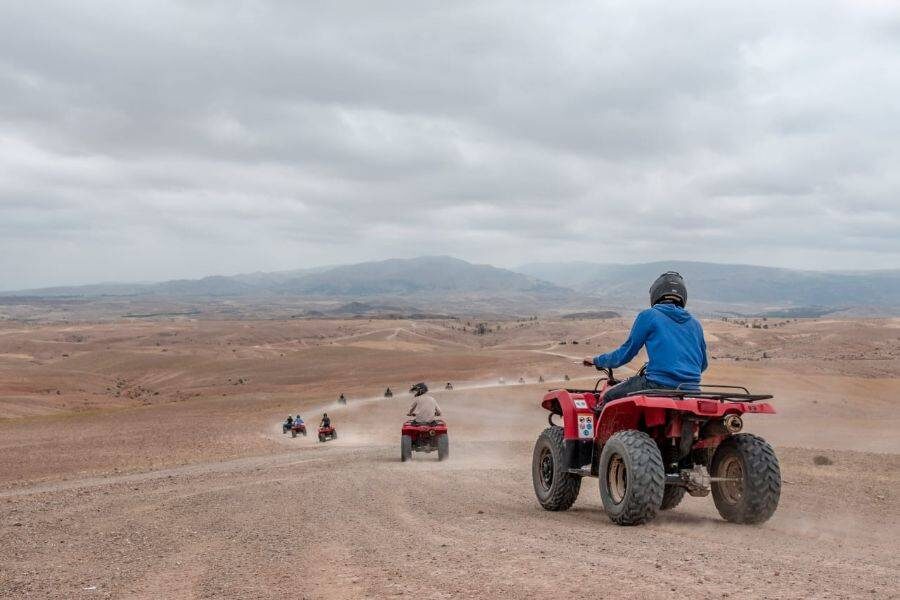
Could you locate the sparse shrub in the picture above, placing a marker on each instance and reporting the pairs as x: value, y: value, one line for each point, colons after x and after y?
x: 822, y: 460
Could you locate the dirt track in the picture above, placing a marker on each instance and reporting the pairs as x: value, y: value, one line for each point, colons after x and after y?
x: 237, y: 509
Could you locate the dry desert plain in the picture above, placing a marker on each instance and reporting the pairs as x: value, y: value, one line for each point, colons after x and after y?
x: 145, y: 459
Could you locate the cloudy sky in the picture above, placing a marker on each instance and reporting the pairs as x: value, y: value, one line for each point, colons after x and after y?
x: 155, y: 140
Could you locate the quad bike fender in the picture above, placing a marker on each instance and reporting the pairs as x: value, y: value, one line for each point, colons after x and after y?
x: 415, y: 431
x: 577, y: 411
x: 629, y: 412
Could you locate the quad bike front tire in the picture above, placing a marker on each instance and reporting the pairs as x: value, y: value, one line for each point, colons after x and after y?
x: 554, y: 486
x: 672, y: 497
x: 405, y: 448
x: 632, y: 478
x: 293, y: 434
x: 750, y: 460
x: 443, y: 444
x: 321, y: 438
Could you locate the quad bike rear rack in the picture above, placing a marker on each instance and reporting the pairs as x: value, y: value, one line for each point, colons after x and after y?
x: 707, y: 394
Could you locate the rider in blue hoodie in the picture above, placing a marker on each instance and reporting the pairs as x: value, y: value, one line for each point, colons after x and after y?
x: 674, y: 341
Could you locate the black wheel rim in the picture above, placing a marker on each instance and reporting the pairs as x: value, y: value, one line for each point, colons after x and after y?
x: 546, y: 468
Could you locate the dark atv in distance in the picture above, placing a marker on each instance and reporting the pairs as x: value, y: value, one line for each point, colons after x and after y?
x: 424, y: 437
x: 388, y: 393
x: 449, y: 387
x: 651, y: 447
x: 342, y: 399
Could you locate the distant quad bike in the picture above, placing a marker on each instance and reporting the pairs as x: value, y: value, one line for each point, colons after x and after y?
x: 298, y: 428
x: 285, y: 426
x: 541, y: 379
x: 521, y: 380
x: 327, y: 433
x: 652, y: 446
x: 342, y: 399
x: 566, y: 377
x: 387, y: 393
x: 449, y: 387
x: 415, y: 437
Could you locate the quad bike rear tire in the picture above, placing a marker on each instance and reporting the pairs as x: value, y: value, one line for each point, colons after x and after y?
x: 672, y: 497
x: 554, y: 486
x: 405, y: 448
x: 443, y: 444
x: 334, y: 435
x: 755, y: 497
x: 632, y: 478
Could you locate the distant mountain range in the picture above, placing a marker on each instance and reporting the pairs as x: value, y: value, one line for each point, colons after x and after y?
x: 446, y: 284
x: 722, y: 286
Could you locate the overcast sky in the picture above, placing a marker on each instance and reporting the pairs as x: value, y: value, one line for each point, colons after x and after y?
x: 156, y: 140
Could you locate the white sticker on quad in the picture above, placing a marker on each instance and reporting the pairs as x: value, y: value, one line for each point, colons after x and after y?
x: 585, y: 426
x: 581, y: 404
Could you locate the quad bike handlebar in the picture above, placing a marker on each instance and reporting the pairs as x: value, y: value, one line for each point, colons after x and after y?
x: 610, y: 377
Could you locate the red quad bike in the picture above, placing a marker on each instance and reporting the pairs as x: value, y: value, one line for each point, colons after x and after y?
x: 652, y: 446
x: 415, y: 437
x: 298, y: 428
x: 327, y: 433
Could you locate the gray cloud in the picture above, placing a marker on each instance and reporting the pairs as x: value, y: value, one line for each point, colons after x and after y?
x: 175, y: 139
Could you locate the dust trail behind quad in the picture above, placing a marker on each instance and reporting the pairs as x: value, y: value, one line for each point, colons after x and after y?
x: 347, y: 519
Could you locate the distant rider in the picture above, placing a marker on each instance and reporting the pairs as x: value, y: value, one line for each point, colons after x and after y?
x: 289, y: 421
x: 424, y: 409
x: 326, y: 421
x: 674, y: 340
x: 298, y: 420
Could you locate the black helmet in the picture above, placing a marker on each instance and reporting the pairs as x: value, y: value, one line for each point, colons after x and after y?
x: 418, y: 389
x: 669, y: 286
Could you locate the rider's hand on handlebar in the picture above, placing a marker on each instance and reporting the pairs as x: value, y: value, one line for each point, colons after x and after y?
x: 588, y: 362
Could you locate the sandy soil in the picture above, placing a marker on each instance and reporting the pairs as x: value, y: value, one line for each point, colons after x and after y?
x: 160, y: 471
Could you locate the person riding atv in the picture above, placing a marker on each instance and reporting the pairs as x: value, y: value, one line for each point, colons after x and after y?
x: 674, y: 340
x: 342, y: 399
x: 388, y: 393
x: 424, y: 409
x: 288, y: 423
x: 298, y: 420
x: 326, y: 420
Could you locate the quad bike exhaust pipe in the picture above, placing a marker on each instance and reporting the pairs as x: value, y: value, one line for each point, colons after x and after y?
x: 733, y: 423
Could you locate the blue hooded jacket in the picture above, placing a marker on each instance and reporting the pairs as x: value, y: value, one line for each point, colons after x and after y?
x: 674, y: 342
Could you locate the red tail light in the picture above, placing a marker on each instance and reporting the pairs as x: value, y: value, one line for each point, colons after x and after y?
x: 708, y: 406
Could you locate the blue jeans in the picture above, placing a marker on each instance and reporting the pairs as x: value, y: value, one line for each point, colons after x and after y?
x: 631, y: 385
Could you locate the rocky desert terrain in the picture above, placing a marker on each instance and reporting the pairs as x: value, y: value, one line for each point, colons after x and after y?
x: 144, y: 458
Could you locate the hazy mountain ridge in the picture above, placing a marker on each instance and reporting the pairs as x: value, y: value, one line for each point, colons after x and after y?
x: 449, y: 284
x: 416, y: 275
x: 628, y: 285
